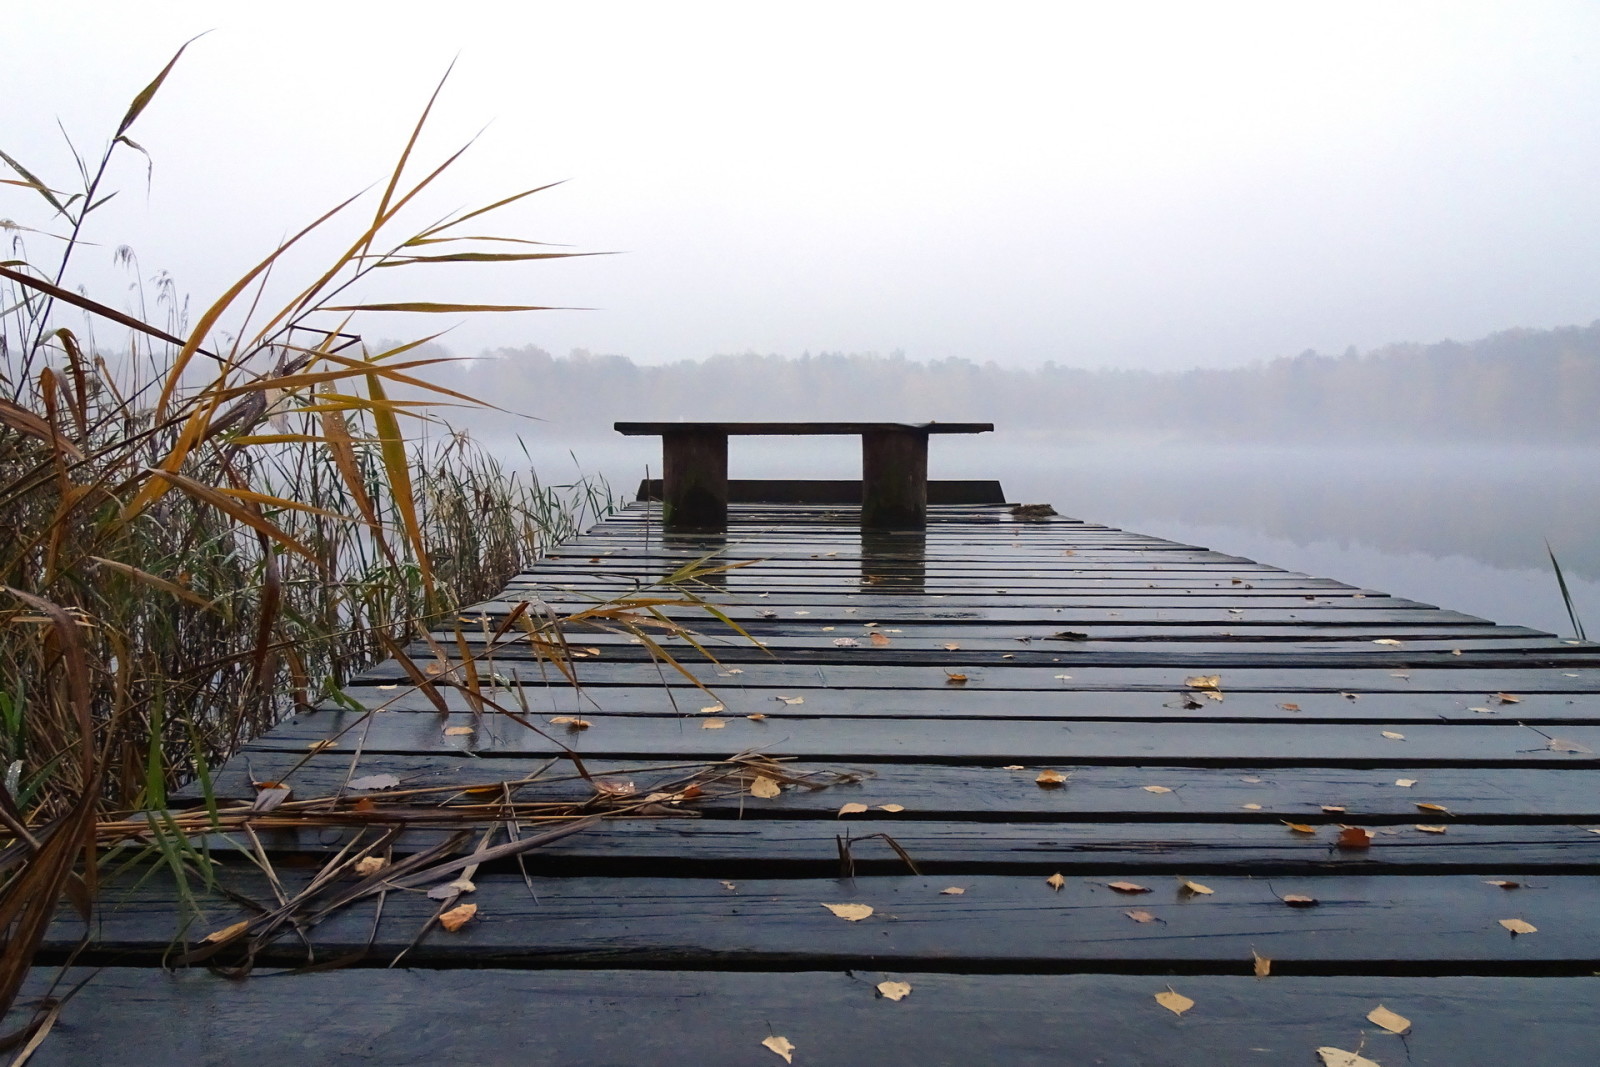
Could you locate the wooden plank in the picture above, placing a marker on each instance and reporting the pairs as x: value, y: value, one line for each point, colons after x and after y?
x: 423, y: 1018
x: 950, y: 740
x: 1006, y: 921
x: 1383, y: 709
x: 1483, y: 794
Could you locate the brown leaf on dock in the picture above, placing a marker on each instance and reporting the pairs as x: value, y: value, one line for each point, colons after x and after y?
x: 1519, y: 926
x: 1204, y: 681
x: 878, y: 640
x: 1299, y: 900
x: 1139, y: 915
x: 1261, y: 964
x: 850, y: 912
x: 1190, y: 889
x: 1355, y: 837
x: 765, y: 788
x: 852, y: 808
x: 1393, y: 1022
x: 458, y: 916
x: 1128, y: 887
x: 781, y: 1045
x: 1174, y: 1001
x: 1049, y: 779
x: 1300, y: 827
x: 894, y: 990
x: 1056, y: 881
x: 955, y: 679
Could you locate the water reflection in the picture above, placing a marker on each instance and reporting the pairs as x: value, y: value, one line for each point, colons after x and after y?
x: 894, y: 561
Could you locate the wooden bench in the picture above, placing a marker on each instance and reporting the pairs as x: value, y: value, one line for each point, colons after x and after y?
x: 894, y: 467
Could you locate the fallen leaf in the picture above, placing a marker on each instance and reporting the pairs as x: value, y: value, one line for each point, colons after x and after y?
x: 1431, y: 829
x: 369, y: 865
x: 782, y: 1046
x: 458, y: 916
x: 1351, y: 696
x: 1299, y: 900
x: 227, y: 932
x: 712, y: 710
x: 1393, y: 736
x: 1056, y: 881
x: 951, y: 647
x: 829, y: 629
x: 894, y: 990
x: 1174, y: 1002
x: 1503, y: 884
x: 1557, y: 744
x: 1013, y: 767
x: 852, y: 808
x: 1300, y: 827
x: 375, y: 781
x: 614, y: 787
x: 1128, y: 887
x: 1204, y: 681
x: 768, y: 613
x: 1057, y: 677
x: 1355, y: 837
x: 1049, y: 779
x: 1333, y: 809
x: 1482, y: 711
x: 321, y: 746
x: 1434, y: 807
x: 954, y: 679
x: 1067, y: 635
x: 850, y: 912
x: 1263, y: 965
x: 877, y: 639
x: 1139, y: 915
x: 952, y: 891
x: 1251, y: 807
x: 1189, y: 888
x: 452, y: 889
x: 729, y: 886
x: 1386, y: 641
x: 1155, y: 789
x: 459, y: 731
x: 732, y: 670
x: 891, y: 807
x: 269, y: 795
x: 793, y: 700
x: 1519, y: 926
x: 802, y: 613
x: 1390, y: 1021
x: 571, y: 722
x: 1290, y: 707
x: 847, y: 642
x: 1338, y: 1057
x: 713, y: 724
x: 765, y: 788
x: 1405, y: 783
x: 395, y: 686
x: 1506, y: 698
x: 1212, y: 694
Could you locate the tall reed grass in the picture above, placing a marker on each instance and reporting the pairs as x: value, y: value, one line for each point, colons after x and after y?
x: 212, y: 522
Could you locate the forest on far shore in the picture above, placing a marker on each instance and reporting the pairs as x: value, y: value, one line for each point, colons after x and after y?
x: 1520, y: 385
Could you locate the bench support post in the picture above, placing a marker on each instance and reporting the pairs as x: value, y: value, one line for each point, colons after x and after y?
x: 894, y: 480
x: 694, y: 481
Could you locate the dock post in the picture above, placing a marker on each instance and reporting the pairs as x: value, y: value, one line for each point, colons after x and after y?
x: 694, y: 480
x: 894, y: 479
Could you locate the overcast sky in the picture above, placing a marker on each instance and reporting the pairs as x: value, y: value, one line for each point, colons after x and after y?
x: 1153, y: 185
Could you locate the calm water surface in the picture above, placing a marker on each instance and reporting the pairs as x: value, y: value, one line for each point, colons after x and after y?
x: 1461, y: 527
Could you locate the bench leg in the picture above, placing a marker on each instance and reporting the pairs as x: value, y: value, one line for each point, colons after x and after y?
x: 894, y: 480
x: 694, y: 481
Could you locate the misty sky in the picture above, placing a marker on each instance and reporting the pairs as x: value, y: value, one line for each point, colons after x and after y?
x: 1152, y: 185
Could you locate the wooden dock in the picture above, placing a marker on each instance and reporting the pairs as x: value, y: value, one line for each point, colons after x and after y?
x: 1040, y: 772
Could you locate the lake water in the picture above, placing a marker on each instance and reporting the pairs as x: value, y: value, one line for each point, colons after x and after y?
x: 1461, y: 527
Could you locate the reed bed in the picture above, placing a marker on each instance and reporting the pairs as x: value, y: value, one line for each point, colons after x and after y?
x: 206, y: 523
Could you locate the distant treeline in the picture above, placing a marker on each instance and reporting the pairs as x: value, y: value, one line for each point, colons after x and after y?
x: 1522, y: 384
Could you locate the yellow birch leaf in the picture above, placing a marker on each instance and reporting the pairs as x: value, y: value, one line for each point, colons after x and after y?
x: 1430, y: 829
x: 757, y: 717
x: 1012, y: 767
x: 954, y: 679
x: 1049, y: 779
x: 457, y: 731
x: 1506, y: 698
x: 1204, y: 681
x: 370, y: 865
x: 458, y: 916
x: 1139, y: 915
x: 952, y: 891
x: 1194, y: 888
x: 781, y: 1045
x: 712, y: 710
x: 1338, y: 1057
x: 1519, y: 926
x: 1434, y: 807
x: 1263, y: 965
x: 321, y: 746
x: 1300, y: 827
x: 852, y: 808
x: 1390, y: 1021
x: 216, y: 936
x: 1251, y: 807
x: 1155, y: 789
x: 1056, y: 881
x: 793, y: 700
x: 1393, y: 736
x: 1128, y: 887
x: 951, y: 647
x: 1386, y: 641
x: 850, y: 912
x: 891, y: 807
x: 1405, y: 783
x: 713, y: 724
x: 1174, y: 1002
x: 894, y: 990
x: 765, y: 788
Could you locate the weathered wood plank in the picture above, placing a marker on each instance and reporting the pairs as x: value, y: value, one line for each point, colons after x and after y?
x: 1014, y: 922
x: 949, y: 740
x: 422, y: 1018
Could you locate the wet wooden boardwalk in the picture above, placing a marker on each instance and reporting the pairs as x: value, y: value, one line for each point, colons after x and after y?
x: 1121, y: 766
